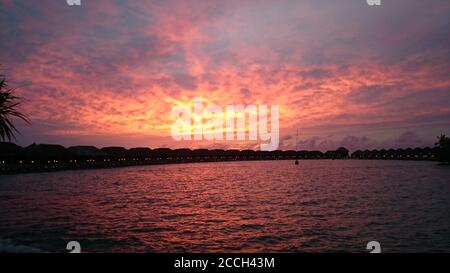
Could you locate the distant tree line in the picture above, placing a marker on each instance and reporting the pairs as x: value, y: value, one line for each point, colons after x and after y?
x: 443, y: 148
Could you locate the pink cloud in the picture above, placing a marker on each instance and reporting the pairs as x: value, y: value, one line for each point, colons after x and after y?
x: 116, y: 68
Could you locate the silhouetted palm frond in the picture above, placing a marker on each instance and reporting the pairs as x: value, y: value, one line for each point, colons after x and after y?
x: 8, y: 110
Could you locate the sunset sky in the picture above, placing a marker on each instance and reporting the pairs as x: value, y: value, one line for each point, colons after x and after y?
x: 343, y: 73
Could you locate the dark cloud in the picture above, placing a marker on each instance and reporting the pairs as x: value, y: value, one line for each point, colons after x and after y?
x: 371, y: 94
x: 186, y: 81
x: 316, y: 73
x: 353, y: 143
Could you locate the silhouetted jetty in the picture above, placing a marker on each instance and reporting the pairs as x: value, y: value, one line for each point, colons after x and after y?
x: 48, y: 157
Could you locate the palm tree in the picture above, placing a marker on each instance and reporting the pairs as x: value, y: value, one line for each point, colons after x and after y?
x: 444, y: 148
x: 442, y: 140
x: 8, y: 110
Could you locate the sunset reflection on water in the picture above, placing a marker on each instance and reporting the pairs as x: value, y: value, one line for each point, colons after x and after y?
x: 274, y: 206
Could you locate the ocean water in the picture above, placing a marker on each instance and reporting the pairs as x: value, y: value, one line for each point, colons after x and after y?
x: 260, y: 206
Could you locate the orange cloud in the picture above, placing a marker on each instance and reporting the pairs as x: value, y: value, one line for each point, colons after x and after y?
x: 114, y: 70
